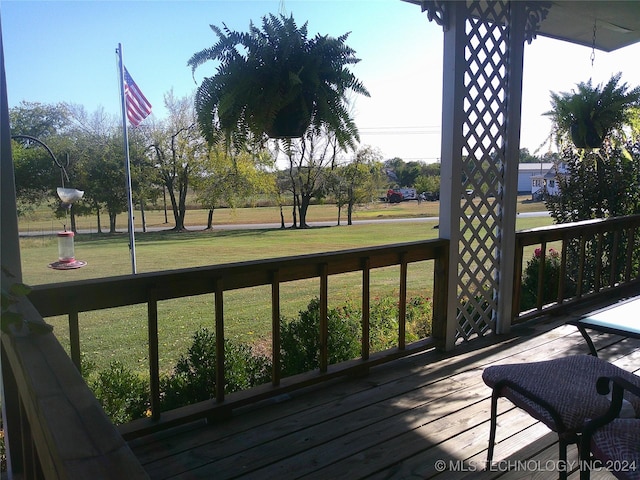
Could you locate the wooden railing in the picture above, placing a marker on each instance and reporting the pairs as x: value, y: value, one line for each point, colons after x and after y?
x: 58, y: 427
x: 592, y: 258
x: 55, y: 426
x: 149, y: 288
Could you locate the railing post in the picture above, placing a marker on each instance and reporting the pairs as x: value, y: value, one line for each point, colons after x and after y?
x: 324, y: 318
x: 154, y: 360
x: 275, y: 328
x: 563, y: 268
x: 517, y: 278
x: 366, y: 306
x: 597, y: 284
x: 74, y: 340
x: 613, y: 273
x: 629, y: 253
x: 439, y: 324
x: 581, y: 265
x: 219, y: 306
x: 402, y: 303
x: 542, y: 263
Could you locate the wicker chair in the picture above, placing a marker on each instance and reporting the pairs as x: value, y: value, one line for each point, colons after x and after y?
x: 560, y: 393
x: 612, y: 441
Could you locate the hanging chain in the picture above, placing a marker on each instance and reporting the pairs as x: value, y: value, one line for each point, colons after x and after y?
x: 593, y: 45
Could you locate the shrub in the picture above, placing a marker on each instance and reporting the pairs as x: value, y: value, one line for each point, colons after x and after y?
x: 550, y: 281
x: 300, y: 338
x: 383, y: 318
x: 123, y: 394
x: 419, y: 317
x: 301, y: 342
x: 384, y: 321
x: 194, y: 376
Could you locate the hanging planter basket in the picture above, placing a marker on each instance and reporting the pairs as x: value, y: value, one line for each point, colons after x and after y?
x: 590, y: 113
x: 586, y: 137
x: 291, y: 121
x: 274, y: 82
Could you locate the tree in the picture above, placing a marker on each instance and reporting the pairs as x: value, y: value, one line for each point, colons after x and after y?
x: 146, y: 182
x: 97, y: 147
x: 105, y: 173
x: 336, y: 185
x: 526, y: 157
x: 38, y: 119
x: 428, y: 183
x: 37, y: 176
x: 406, y: 174
x: 230, y: 180
x: 359, y: 180
x: 178, y: 147
x: 597, y: 184
x: 309, y: 158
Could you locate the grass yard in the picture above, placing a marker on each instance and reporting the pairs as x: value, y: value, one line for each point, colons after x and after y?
x: 42, y: 220
x: 120, y: 334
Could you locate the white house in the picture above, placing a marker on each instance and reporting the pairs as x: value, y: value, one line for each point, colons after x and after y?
x: 545, y: 181
x: 526, y: 171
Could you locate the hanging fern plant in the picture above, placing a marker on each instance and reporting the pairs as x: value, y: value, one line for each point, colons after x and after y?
x: 276, y: 82
x: 590, y: 114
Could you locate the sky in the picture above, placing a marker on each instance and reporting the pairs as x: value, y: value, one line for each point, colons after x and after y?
x: 64, y: 51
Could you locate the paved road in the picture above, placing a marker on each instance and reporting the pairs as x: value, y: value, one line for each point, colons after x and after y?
x: 266, y: 226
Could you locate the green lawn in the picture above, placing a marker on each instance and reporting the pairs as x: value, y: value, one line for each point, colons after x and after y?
x: 121, y: 333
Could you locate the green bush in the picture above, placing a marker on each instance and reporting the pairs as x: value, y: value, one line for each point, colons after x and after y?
x: 550, y: 281
x: 194, y: 377
x: 384, y: 321
x: 300, y: 338
x: 419, y: 316
x: 301, y: 342
x: 123, y: 394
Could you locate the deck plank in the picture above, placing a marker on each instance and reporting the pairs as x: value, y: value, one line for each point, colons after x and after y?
x: 394, y: 423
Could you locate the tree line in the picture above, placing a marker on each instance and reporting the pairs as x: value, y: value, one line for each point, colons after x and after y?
x: 170, y: 159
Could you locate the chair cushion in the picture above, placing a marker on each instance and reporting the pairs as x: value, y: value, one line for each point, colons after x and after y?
x: 617, y: 446
x: 567, y: 384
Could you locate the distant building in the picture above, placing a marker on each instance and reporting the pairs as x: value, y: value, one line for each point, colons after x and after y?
x: 526, y: 171
x: 545, y: 182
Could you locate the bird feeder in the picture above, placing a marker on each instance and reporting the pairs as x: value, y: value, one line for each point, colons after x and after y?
x: 68, y: 196
x: 66, y: 248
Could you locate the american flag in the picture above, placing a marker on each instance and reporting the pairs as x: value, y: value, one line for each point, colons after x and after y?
x: 138, y: 107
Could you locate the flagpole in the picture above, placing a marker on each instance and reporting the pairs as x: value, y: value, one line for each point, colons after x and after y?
x: 127, y: 164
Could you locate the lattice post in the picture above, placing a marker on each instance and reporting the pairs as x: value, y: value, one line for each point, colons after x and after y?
x: 482, y: 85
x: 515, y: 46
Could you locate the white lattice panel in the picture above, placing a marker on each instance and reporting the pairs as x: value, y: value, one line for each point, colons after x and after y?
x: 483, y: 166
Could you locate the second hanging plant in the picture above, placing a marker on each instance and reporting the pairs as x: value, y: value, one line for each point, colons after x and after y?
x: 591, y: 113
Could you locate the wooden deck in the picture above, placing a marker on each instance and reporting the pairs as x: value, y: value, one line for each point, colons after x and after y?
x: 401, y: 421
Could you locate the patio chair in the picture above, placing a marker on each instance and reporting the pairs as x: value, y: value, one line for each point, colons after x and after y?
x: 612, y: 441
x: 560, y: 393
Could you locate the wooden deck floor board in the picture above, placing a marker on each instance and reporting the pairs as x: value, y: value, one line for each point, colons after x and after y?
x: 394, y: 423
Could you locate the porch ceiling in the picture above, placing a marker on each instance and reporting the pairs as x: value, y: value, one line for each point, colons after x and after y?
x: 617, y: 22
